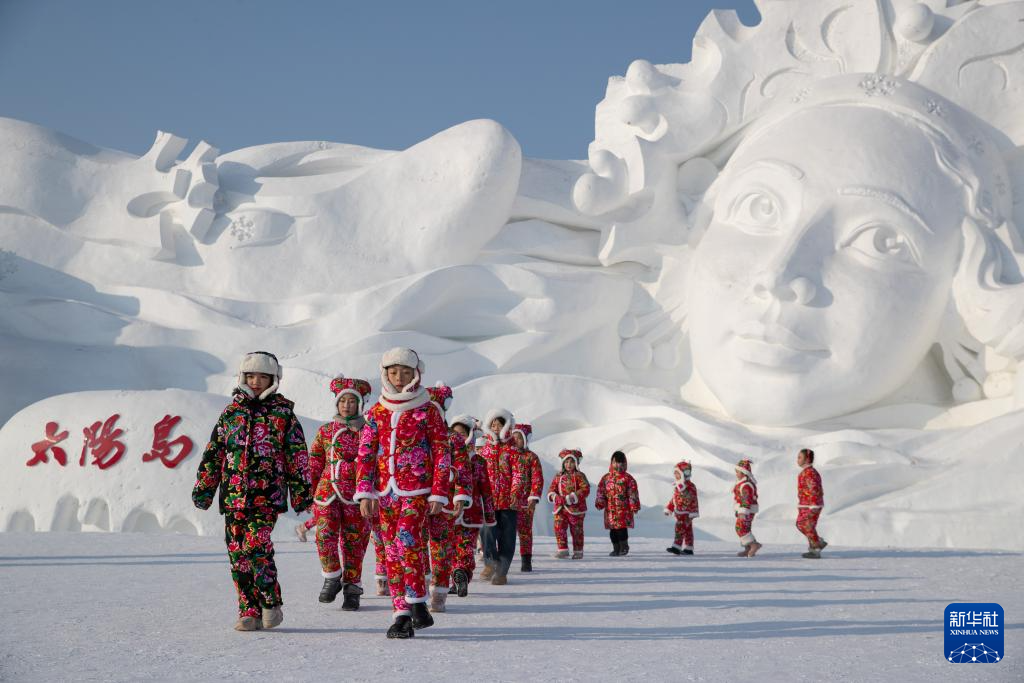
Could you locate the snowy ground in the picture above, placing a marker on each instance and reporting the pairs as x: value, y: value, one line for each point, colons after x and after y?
x: 137, y: 606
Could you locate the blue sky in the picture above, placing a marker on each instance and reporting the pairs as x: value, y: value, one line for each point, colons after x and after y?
x: 383, y: 74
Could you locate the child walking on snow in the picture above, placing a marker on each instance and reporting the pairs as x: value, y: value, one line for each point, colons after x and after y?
x: 256, y: 457
x: 332, y: 471
x: 617, y: 495
x: 504, y: 469
x: 810, y: 502
x: 684, y: 505
x: 533, y: 486
x: 745, y: 495
x: 568, y: 495
x: 476, y: 515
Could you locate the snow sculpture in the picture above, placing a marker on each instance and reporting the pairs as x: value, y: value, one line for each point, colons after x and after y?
x: 864, y: 211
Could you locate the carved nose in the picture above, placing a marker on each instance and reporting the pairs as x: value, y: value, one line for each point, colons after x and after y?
x: 798, y: 290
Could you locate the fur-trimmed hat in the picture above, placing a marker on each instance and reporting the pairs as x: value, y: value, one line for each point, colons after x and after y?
x: 470, y: 423
x: 573, y: 454
x: 342, y: 385
x: 440, y: 396
x: 683, y: 468
x: 504, y: 414
x: 745, y: 467
x: 525, y: 430
x: 400, y: 355
x: 262, y: 362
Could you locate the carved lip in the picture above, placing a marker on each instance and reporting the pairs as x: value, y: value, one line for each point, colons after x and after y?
x: 773, y: 345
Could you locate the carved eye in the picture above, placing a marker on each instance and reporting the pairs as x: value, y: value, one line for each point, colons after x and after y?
x: 757, y: 212
x: 882, y: 243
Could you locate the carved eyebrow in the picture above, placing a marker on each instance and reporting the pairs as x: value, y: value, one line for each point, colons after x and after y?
x: 777, y: 165
x: 890, y: 198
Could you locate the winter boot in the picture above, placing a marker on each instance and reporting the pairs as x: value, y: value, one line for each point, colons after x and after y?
x: 499, y: 580
x: 438, y: 596
x: 616, y: 549
x: 687, y: 551
x: 248, y: 624
x: 674, y: 550
x: 623, y: 549
x: 577, y: 554
x: 461, y: 583
x: 300, y: 531
x: 753, y: 548
x: 351, y: 593
x: 272, y: 616
x: 488, y: 572
x: 330, y: 590
x: 402, y: 628
x: 746, y: 549
x: 562, y: 554
x: 812, y: 554
x: 527, y: 565
x: 821, y: 547
x: 382, y: 587
x: 421, y: 616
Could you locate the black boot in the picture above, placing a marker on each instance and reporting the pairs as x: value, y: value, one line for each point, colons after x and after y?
x: 527, y: 565
x: 687, y: 551
x: 402, y: 628
x: 674, y: 550
x: 461, y: 583
x: 624, y: 548
x: 351, y: 593
x: 330, y: 590
x: 421, y: 615
x: 615, y: 550
x: 453, y: 589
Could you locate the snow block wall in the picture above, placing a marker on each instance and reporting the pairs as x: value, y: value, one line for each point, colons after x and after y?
x: 807, y: 236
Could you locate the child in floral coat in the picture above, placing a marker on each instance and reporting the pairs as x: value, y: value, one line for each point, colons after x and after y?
x: 745, y: 495
x: 684, y: 505
x: 504, y: 469
x: 810, y: 502
x: 568, y: 495
x: 332, y: 471
x: 533, y: 486
x: 402, y: 476
x: 441, y: 527
x: 478, y: 514
x: 617, y: 495
x: 256, y: 456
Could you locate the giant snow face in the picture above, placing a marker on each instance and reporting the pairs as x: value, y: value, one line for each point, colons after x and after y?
x: 824, y: 276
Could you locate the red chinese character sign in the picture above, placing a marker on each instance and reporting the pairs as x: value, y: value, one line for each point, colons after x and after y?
x: 49, y: 442
x: 162, y: 448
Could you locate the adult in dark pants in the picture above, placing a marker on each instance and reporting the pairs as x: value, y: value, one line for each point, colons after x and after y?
x: 504, y: 468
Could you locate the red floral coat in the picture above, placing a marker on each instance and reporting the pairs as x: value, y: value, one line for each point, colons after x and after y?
x: 404, y: 452
x: 808, y: 489
x: 460, y: 475
x: 684, y: 500
x: 332, y: 463
x: 481, y: 511
x: 745, y: 495
x: 505, y: 470
x: 568, y: 493
x: 533, y: 479
x: 618, y: 496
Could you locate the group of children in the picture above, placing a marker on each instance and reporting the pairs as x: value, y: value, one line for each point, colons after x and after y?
x: 423, y: 488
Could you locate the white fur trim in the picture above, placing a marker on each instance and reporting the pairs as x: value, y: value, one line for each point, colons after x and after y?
x: 413, y: 601
x: 551, y: 497
x: 510, y: 423
x: 748, y: 539
x: 330, y: 575
x: 677, y: 546
x: 746, y: 473
x: 402, y: 612
x: 572, y: 498
x: 536, y: 498
x: 443, y: 500
x: 526, y: 437
x: 689, y: 547
x: 810, y: 507
x: 463, y: 498
x: 364, y: 496
x: 350, y: 392
x: 262, y: 362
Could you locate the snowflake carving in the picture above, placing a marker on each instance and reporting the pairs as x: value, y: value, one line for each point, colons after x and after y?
x: 241, y: 228
x: 935, y: 108
x: 878, y: 84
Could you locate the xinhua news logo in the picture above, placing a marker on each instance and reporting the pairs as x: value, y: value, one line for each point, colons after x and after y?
x: 974, y: 633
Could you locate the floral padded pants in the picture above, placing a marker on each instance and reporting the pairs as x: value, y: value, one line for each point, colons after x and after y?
x: 684, y: 532
x: 566, y: 524
x: 401, y: 529
x: 341, y: 527
x: 744, y: 523
x: 441, y: 530
x: 251, y: 554
x: 524, y: 526
x: 807, y: 523
x: 465, y: 549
